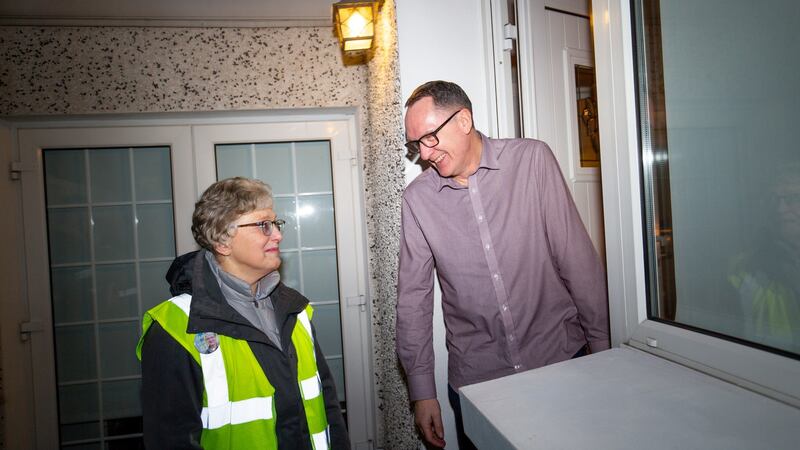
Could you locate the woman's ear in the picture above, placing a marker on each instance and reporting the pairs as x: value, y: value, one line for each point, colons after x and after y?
x: 222, y: 249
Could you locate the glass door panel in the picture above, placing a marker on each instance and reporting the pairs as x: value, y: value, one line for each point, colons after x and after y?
x: 300, y: 176
x: 111, y: 239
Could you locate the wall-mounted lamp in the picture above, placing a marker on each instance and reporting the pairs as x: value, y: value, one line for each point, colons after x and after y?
x: 355, y: 25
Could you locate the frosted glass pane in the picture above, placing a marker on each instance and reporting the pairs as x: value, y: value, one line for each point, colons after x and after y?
x: 75, y: 354
x: 68, y: 230
x: 116, y: 291
x: 72, y: 294
x: 124, y: 444
x: 65, y: 176
x: 337, y: 370
x: 110, y: 171
x: 329, y: 328
x: 315, y: 214
x: 289, y: 270
x: 78, y: 403
x: 313, y: 166
x: 285, y: 209
x: 320, y: 276
x: 154, y: 287
x: 113, y: 232
x: 234, y: 160
x: 152, y: 172
x: 156, y: 231
x: 121, y: 399
x: 80, y: 431
x: 117, y: 344
x: 89, y: 446
x: 274, y: 166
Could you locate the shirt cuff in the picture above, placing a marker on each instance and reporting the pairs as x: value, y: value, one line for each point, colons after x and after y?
x: 421, y: 387
x: 599, y: 346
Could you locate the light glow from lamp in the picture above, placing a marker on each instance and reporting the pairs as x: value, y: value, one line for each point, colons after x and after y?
x: 355, y: 24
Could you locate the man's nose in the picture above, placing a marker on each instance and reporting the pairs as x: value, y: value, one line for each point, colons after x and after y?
x: 425, y: 152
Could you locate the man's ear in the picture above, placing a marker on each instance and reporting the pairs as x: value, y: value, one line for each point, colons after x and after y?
x: 464, y: 120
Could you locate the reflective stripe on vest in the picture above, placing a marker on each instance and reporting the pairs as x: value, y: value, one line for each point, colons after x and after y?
x: 232, y: 408
x: 311, y: 387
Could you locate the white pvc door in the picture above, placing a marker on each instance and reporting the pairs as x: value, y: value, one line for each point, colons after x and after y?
x: 312, y: 167
x: 106, y: 209
x: 99, y: 210
x: 575, y: 141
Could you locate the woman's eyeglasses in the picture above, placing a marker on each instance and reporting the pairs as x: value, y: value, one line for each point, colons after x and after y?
x: 266, y: 225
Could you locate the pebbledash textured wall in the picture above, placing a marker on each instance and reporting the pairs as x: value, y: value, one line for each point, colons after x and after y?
x: 94, y: 70
x: 385, y: 181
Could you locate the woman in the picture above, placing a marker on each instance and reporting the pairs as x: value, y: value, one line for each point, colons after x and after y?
x: 231, y: 362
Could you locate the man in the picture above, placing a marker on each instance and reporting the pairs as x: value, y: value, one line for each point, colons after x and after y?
x: 522, y: 285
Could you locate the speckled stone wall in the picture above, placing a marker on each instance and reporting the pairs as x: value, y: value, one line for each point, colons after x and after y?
x: 96, y: 70
x: 385, y: 181
x: 78, y: 70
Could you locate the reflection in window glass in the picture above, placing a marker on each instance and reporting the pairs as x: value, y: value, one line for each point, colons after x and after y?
x: 721, y: 167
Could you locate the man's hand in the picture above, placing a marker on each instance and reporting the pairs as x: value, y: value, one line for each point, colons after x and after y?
x: 428, y: 417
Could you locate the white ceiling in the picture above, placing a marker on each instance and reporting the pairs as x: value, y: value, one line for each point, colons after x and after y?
x: 237, y: 12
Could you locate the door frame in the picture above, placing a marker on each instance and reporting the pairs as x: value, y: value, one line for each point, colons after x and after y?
x: 17, y: 389
x: 190, y: 174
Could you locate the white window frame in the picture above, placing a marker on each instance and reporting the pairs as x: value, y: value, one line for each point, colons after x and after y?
x: 760, y: 371
x: 499, y: 36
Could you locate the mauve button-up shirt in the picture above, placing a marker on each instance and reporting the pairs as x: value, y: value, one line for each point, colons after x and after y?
x: 522, y: 285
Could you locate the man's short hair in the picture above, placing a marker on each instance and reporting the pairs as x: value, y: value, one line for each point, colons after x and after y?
x: 445, y: 95
x: 222, y: 204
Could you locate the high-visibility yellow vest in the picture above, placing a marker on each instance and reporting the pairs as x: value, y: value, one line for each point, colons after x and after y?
x: 769, y: 308
x: 238, y: 410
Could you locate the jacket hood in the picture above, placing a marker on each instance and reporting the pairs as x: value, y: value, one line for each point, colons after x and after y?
x: 179, y: 275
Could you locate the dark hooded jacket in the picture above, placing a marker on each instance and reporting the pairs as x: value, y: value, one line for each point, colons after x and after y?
x: 172, y: 382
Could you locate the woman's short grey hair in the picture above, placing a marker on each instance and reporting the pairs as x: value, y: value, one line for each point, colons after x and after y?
x: 222, y: 204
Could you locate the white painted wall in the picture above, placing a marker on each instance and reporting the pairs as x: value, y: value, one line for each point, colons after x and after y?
x: 443, y: 40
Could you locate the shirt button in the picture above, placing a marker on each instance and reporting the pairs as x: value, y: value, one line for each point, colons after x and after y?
x: 480, y: 218
x: 511, y: 337
x: 517, y: 366
x: 488, y: 246
x: 474, y: 190
x: 505, y: 307
x: 495, y: 276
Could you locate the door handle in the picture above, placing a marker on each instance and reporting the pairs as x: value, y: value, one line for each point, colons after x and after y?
x: 358, y: 300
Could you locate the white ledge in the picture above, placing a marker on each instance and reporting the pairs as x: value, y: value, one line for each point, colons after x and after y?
x: 623, y: 398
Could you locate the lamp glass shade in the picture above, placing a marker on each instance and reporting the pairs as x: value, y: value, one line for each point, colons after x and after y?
x: 357, y: 44
x: 355, y: 24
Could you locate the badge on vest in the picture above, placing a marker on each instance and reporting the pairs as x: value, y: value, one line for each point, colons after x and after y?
x: 206, y: 343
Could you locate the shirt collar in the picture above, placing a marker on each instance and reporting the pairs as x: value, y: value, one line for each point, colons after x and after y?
x: 489, y: 160
x: 238, y: 289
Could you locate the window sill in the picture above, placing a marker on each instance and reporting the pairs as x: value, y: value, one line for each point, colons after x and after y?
x: 623, y: 399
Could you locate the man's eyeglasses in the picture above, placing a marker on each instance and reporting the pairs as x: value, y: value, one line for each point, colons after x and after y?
x: 429, y: 140
x: 266, y: 225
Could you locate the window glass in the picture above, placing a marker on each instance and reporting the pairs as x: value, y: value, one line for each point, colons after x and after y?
x: 300, y: 174
x: 111, y: 239
x: 718, y: 96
